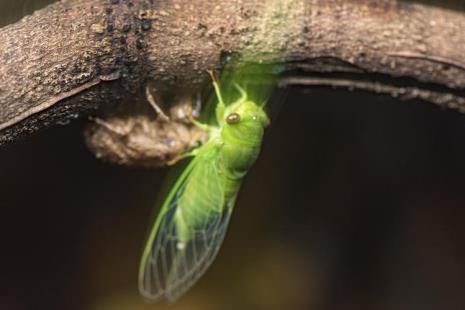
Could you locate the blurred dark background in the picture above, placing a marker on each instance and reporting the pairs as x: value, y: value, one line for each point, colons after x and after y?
x: 357, y: 202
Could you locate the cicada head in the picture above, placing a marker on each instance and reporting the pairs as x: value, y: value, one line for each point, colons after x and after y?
x: 242, y: 133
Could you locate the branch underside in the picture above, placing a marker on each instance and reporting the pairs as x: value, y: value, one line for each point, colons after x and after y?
x: 79, y: 57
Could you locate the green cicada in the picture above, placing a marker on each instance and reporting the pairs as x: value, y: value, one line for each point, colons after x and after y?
x: 194, y: 217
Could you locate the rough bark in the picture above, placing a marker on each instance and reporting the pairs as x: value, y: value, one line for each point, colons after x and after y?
x: 77, y: 57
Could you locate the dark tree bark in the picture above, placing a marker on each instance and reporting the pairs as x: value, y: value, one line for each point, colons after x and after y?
x: 77, y: 57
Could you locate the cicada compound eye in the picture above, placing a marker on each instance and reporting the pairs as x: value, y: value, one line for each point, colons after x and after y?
x: 233, y: 118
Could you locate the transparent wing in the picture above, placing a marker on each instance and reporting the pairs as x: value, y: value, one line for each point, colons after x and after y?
x: 192, y: 261
x: 172, y: 264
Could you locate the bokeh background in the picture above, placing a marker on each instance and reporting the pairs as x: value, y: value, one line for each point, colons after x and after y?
x: 357, y: 202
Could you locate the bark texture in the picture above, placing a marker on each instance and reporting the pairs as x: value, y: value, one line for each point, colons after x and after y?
x: 77, y: 57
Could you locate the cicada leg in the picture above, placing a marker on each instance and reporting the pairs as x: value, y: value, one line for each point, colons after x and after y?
x: 221, y: 105
x: 242, y: 92
x: 108, y: 126
x: 163, y: 117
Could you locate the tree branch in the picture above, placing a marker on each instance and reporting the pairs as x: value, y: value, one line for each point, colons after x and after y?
x: 78, y: 57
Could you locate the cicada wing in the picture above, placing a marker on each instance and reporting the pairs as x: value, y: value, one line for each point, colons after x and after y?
x: 158, y: 252
x: 171, y: 265
x: 193, y: 260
